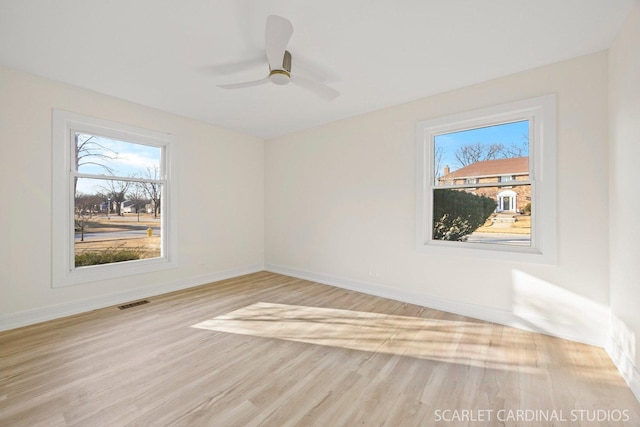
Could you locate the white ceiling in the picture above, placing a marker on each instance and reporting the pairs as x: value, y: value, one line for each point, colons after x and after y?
x: 171, y: 54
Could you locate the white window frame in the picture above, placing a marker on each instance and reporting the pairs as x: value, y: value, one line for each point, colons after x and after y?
x: 541, y: 114
x: 65, y: 125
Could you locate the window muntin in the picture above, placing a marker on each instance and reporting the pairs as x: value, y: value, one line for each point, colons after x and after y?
x: 112, y: 199
x: 535, y: 185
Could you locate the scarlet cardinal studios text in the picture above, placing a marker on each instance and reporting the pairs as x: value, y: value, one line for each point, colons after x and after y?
x: 530, y: 415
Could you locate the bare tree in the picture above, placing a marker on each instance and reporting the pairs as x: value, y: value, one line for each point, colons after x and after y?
x: 89, y: 151
x: 153, y: 190
x: 517, y: 149
x: 117, y: 192
x: 479, y: 152
x: 86, y: 206
x: 136, y: 196
x: 438, y: 158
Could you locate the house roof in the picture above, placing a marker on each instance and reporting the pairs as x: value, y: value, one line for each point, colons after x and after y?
x: 497, y: 167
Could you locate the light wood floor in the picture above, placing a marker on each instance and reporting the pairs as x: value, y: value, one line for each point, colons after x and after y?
x: 311, y: 355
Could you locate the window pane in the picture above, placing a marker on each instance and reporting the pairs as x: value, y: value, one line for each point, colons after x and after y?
x: 116, y: 221
x: 487, y: 154
x: 103, y: 156
x: 497, y: 215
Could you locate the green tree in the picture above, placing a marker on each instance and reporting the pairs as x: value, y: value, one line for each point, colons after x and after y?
x: 456, y: 214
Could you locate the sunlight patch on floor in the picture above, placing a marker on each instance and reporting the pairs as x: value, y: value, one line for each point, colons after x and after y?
x: 469, y: 343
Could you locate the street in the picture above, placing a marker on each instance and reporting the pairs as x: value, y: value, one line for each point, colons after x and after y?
x: 116, y: 234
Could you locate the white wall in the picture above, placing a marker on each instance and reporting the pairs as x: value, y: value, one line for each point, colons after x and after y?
x: 625, y: 199
x: 221, y: 192
x: 339, y: 205
x: 340, y: 208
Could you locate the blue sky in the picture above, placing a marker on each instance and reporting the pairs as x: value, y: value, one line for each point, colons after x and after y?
x: 126, y: 160
x: 507, y: 134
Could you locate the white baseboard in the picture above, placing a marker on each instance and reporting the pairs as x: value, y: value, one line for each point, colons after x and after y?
x: 503, y: 317
x: 592, y: 337
x: 43, y: 314
x: 625, y: 365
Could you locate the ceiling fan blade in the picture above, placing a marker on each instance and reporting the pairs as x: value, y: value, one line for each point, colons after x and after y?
x: 277, y: 35
x: 320, y: 89
x: 246, y: 84
x: 234, y: 67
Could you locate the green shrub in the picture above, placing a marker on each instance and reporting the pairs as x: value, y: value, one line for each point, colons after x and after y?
x: 527, y: 209
x: 106, y: 257
x: 456, y: 214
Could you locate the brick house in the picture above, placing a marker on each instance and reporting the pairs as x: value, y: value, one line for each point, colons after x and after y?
x: 509, y: 198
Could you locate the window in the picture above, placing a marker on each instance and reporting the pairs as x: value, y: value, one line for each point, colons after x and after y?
x: 486, y: 181
x: 113, y: 209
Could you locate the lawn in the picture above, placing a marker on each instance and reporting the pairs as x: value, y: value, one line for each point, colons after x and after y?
x: 146, y: 247
x: 522, y: 225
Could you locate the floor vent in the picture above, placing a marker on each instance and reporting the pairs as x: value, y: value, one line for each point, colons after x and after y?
x: 133, y: 304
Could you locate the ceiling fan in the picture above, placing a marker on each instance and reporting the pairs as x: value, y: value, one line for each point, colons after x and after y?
x: 277, y: 35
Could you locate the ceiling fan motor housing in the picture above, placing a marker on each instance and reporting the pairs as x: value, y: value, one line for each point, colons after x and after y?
x: 282, y: 76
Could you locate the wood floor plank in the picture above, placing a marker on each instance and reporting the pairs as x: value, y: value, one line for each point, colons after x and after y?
x: 402, y: 366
